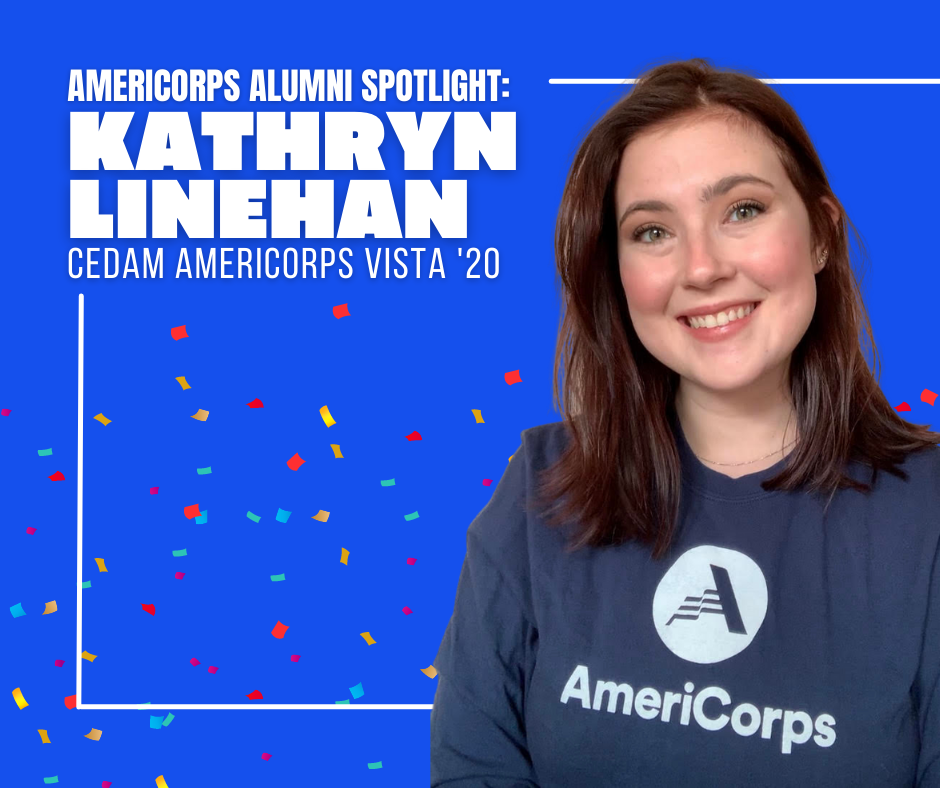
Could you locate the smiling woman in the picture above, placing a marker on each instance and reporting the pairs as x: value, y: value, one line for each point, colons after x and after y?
x: 730, y: 509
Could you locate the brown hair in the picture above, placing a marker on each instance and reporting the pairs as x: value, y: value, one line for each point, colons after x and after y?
x: 619, y: 477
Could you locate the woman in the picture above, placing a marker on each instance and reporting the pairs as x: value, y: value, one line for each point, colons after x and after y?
x: 699, y: 577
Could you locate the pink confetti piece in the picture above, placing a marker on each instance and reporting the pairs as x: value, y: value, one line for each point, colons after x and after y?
x: 30, y: 530
x: 153, y: 490
x: 411, y: 561
x: 406, y: 611
x: 295, y: 657
x: 5, y: 412
x: 59, y: 663
x: 179, y: 575
x: 213, y: 669
x: 194, y: 662
x: 266, y: 756
x: 487, y: 482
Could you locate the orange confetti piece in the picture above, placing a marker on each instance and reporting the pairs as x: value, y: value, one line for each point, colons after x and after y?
x: 103, y: 419
x: 414, y: 436
x: 89, y: 656
x: 256, y: 695
x: 336, y: 452
x: 368, y: 638
x: 191, y: 511
x: 478, y: 416
x: 183, y: 383
x: 57, y: 476
x: 928, y: 396
x: 327, y: 418
x: 44, y: 735
x: 295, y: 462
x: 321, y: 516
x: 429, y: 671
x: 94, y: 734
x: 70, y: 701
x: 256, y: 403
x: 20, y: 700
x: 101, y: 566
x: 341, y: 311
x: 279, y: 630
x: 50, y: 607
x: 344, y: 558
x: 161, y: 783
x: 513, y: 377
x: 178, y: 332
x: 200, y: 415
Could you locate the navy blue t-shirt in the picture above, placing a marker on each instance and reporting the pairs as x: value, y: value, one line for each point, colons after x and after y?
x: 772, y: 647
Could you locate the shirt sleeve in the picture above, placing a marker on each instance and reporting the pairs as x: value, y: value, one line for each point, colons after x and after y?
x: 926, y: 688
x: 478, y: 734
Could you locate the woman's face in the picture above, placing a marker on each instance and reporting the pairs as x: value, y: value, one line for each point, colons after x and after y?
x: 744, y: 244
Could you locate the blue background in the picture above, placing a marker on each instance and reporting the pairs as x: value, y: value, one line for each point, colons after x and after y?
x: 413, y: 355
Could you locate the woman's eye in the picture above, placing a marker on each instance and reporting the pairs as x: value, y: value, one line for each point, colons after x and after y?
x: 744, y: 207
x: 740, y: 210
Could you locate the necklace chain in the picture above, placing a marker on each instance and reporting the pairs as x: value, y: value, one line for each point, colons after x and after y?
x: 749, y: 461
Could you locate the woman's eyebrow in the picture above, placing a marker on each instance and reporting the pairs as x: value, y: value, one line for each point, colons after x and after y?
x: 720, y: 187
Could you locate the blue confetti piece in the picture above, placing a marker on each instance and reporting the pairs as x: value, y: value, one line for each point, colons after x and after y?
x: 17, y: 610
x: 282, y: 515
x: 203, y: 517
x: 156, y: 722
x: 357, y: 691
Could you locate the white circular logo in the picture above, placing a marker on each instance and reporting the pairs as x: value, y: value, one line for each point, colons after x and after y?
x: 710, y: 604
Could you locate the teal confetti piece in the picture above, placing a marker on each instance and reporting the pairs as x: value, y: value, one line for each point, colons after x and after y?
x: 412, y: 516
x: 49, y: 780
x: 17, y: 610
x: 357, y: 691
x: 203, y: 517
x: 168, y: 720
x: 254, y: 517
x: 144, y: 707
x: 45, y: 452
x: 156, y: 722
x: 86, y: 584
x: 282, y: 515
x: 179, y: 553
x: 277, y: 578
x: 342, y: 701
x: 387, y: 482
x: 376, y: 765
x: 204, y: 471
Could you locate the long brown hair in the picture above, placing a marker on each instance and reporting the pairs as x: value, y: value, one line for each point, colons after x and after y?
x: 619, y: 476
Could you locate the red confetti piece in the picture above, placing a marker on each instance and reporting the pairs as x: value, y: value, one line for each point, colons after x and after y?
x: 928, y: 396
x: 59, y: 663
x: 178, y: 332
x: 341, y: 311
x: 194, y: 662
x: 255, y: 403
x: 256, y: 695
x: 5, y: 412
x: 153, y: 490
x: 179, y: 575
x: 295, y: 462
x: 411, y: 561
x: 57, y: 476
x: 70, y: 702
x: 513, y: 377
x: 212, y: 668
x: 903, y: 407
x: 266, y: 756
x: 415, y: 436
x: 487, y: 482
x: 295, y: 657
x: 149, y: 609
x: 279, y: 630
x: 406, y: 611
x: 191, y: 511
x: 30, y: 530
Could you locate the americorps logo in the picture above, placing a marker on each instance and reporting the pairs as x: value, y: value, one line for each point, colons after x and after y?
x: 710, y: 604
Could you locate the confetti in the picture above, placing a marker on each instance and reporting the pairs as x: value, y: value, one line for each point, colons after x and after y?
x: 200, y: 415
x: 478, y: 416
x: 254, y: 517
x: 487, y: 482
x: 17, y: 610
x: 387, y: 482
x: 282, y: 515
x: 295, y: 657
x: 154, y: 490
x: 5, y: 412
x: 168, y: 719
x: 70, y: 701
x: 266, y: 756
x: 376, y: 765
x: 357, y: 691
x: 179, y: 553
x: 103, y: 419
x: 412, y: 516
x: 105, y: 784
x: 179, y: 575
x: 415, y: 436
x: 94, y: 734
x: 928, y: 396
x: 44, y: 452
x: 44, y: 735
x: 203, y: 517
x: 276, y: 578
x: 156, y: 722
x: 256, y: 403
x: 183, y: 383
x: 161, y: 783
x: 336, y: 452
x: 149, y: 609
x: 279, y: 630
x: 50, y: 607
x: 368, y: 638
x: 58, y: 476
x: 321, y: 516
x: 327, y: 418
x: 411, y: 561
x: 145, y: 706
x: 255, y: 695
x: 101, y: 566
x: 213, y: 669
x: 903, y: 408
x: 191, y: 511
x: 194, y: 662
x: 295, y: 462
x: 513, y: 377
x: 178, y: 332
x: 343, y: 701
x: 204, y: 471
x: 30, y: 530
x: 20, y: 700
x: 406, y: 610
x: 342, y: 310
x: 344, y: 556
x: 50, y: 780
x: 89, y: 656
x: 86, y: 584
x: 430, y: 671
x: 59, y: 663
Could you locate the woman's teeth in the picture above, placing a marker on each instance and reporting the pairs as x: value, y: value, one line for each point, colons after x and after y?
x: 721, y: 319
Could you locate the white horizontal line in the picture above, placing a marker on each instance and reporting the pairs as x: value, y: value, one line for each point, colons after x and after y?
x: 263, y: 706
x: 766, y: 81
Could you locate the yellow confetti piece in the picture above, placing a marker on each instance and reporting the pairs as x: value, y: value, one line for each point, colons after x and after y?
x: 327, y: 418
x: 161, y: 783
x: 45, y: 736
x: 94, y: 734
x: 368, y: 638
x: 102, y: 418
x: 89, y: 657
x: 50, y: 607
x: 429, y: 671
x: 101, y: 566
x: 510, y: 457
x: 321, y: 516
x: 20, y: 700
x: 201, y: 415
x: 183, y: 383
x: 478, y: 416
x: 344, y: 557
x: 336, y: 452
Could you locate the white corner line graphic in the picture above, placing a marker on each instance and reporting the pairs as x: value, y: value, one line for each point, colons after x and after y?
x: 767, y: 81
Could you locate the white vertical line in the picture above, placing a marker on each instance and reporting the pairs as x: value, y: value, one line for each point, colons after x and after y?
x: 81, y: 405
